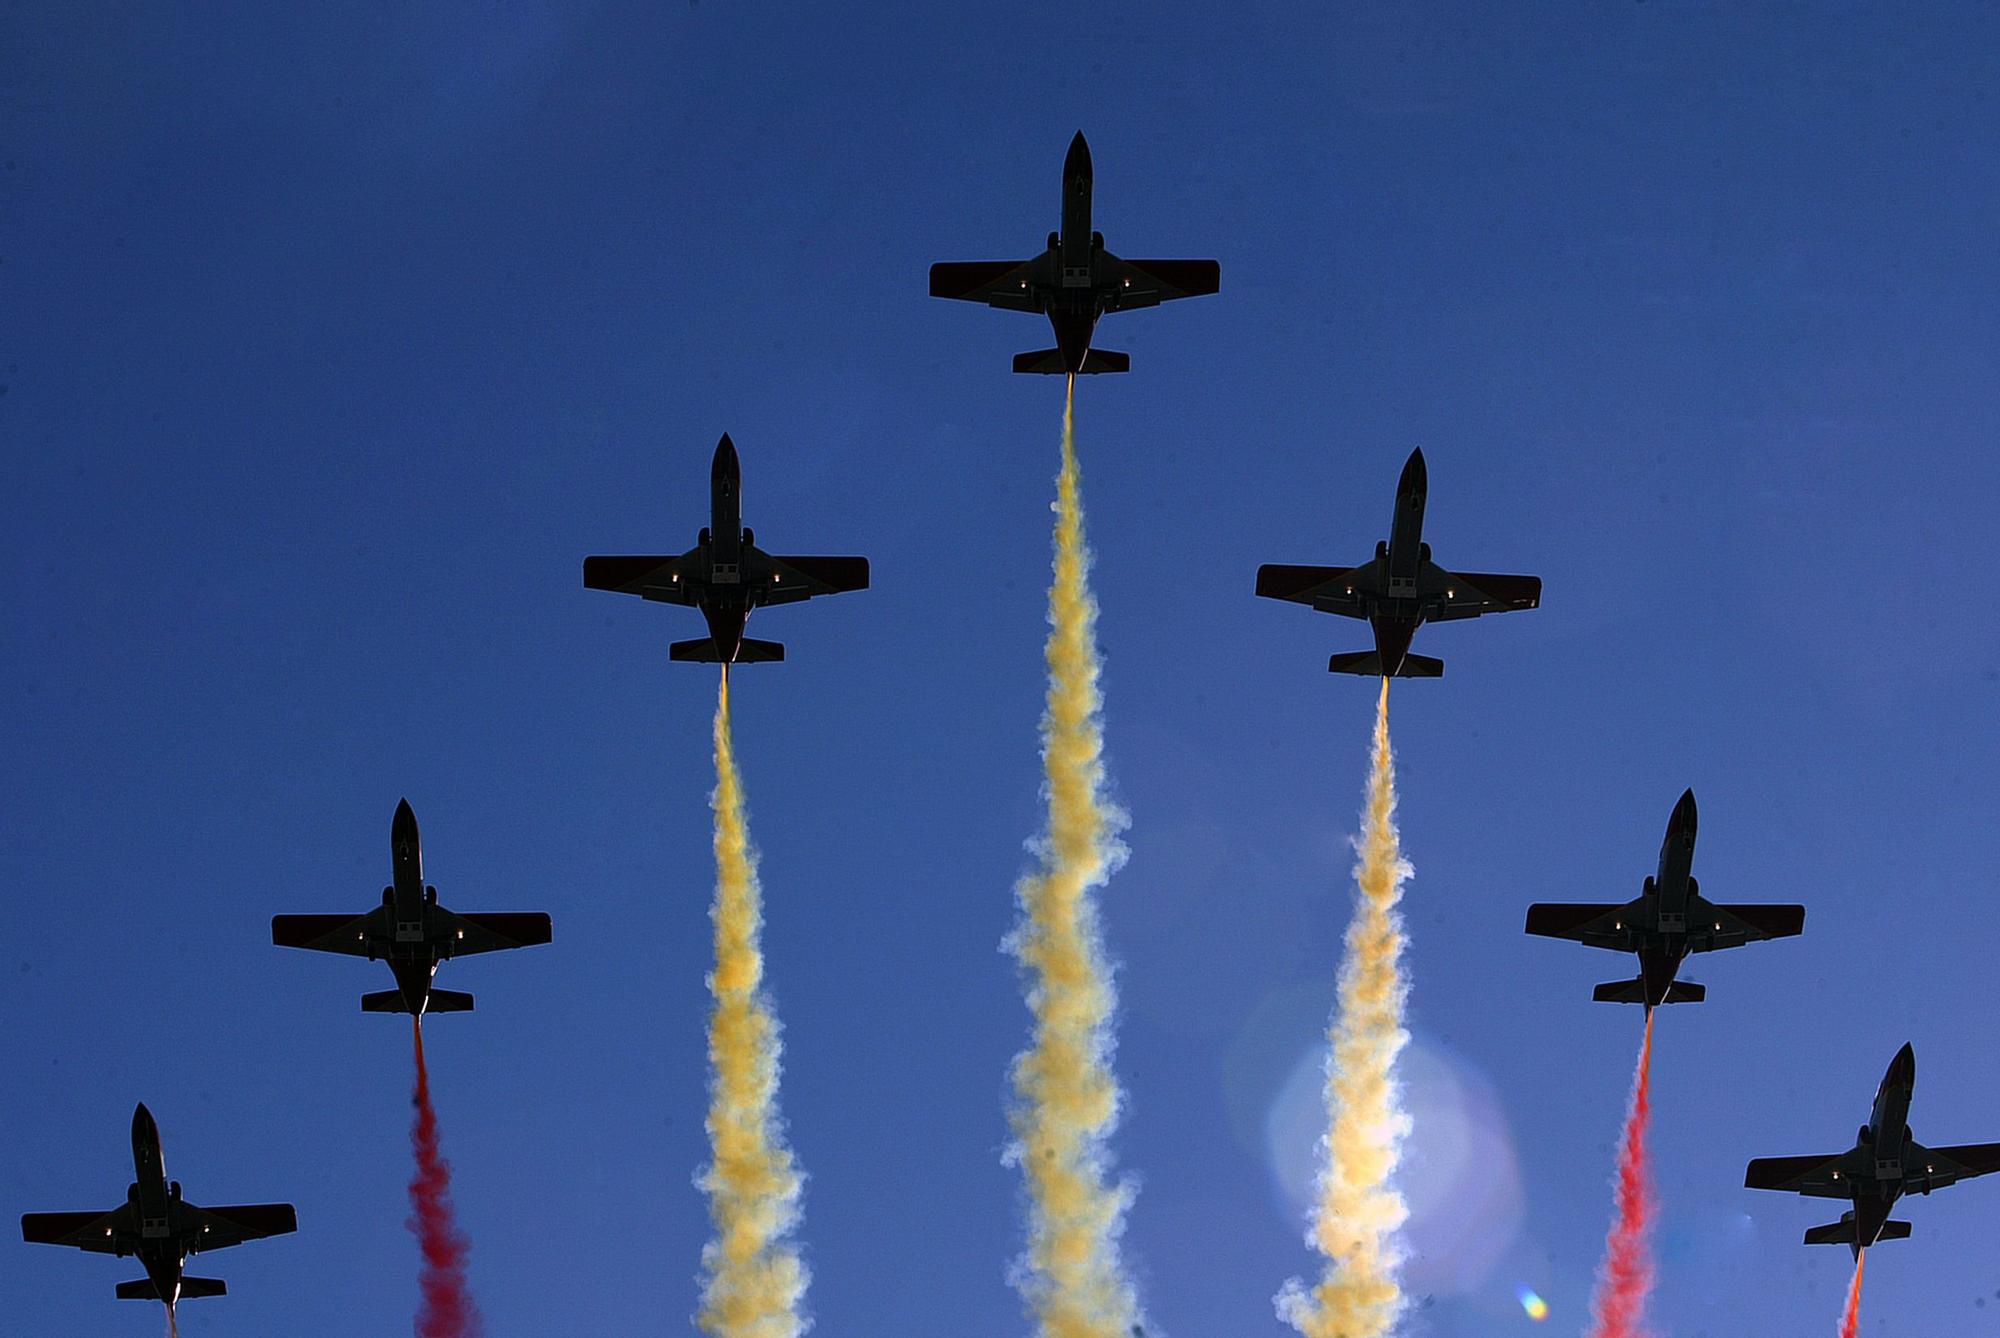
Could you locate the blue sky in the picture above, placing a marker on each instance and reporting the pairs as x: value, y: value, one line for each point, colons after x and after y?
x: 336, y: 338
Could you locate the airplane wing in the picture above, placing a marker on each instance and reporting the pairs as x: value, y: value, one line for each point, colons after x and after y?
x: 1595, y: 924
x: 1737, y: 925
x: 1925, y: 1169
x: 84, y: 1231
x: 1328, y: 589
x: 1470, y: 594
x: 330, y: 933
x: 492, y: 932
x: 1008, y: 284
x: 792, y: 579
x: 1129, y: 284
x: 1817, y: 1177
x: 663, y: 579
x: 220, y: 1228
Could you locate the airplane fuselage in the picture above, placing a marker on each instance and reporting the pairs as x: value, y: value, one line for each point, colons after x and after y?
x: 1889, y: 1118
x: 1074, y: 305
x: 726, y: 597
x: 158, y: 1246
x: 410, y: 949
x: 1669, y: 892
x: 1398, y: 613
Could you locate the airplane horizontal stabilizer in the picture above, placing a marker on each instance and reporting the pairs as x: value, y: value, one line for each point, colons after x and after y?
x: 749, y: 651
x: 1634, y: 991
x: 1369, y: 663
x: 1842, y: 1232
x: 384, y: 1001
x: 1050, y: 362
x: 144, y: 1290
x: 448, y: 1001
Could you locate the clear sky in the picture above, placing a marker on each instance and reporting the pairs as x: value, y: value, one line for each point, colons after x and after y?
x: 335, y: 336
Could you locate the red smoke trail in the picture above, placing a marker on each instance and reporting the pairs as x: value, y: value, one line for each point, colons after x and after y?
x: 1617, y: 1310
x: 447, y: 1310
x: 1850, y: 1319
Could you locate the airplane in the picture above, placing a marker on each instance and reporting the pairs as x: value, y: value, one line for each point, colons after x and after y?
x: 159, y: 1226
x: 1399, y: 591
x: 1669, y: 920
x: 1884, y: 1164
x: 1074, y: 282
x: 726, y: 575
x: 410, y: 931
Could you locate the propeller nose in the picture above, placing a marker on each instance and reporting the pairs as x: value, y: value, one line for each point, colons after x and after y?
x: 725, y: 465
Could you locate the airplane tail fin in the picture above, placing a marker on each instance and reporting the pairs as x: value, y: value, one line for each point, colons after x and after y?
x: 1634, y: 991
x: 1369, y: 663
x: 749, y: 651
x: 144, y: 1290
x: 1049, y: 362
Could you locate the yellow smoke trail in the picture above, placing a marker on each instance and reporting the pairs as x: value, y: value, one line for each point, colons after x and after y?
x: 753, y: 1281
x: 1359, y: 1211
x: 1068, y: 1099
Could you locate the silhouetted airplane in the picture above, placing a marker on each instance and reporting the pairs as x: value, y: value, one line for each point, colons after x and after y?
x: 1669, y: 920
x: 1884, y: 1164
x: 726, y: 575
x: 1399, y: 591
x: 1074, y: 282
x: 410, y: 931
x: 159, y: 1226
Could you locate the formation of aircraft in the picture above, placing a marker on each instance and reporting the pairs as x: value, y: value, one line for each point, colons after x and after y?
x: 159, y: 1227
x: 1668, y: 920
x: 1399, y: 590
x: 1884, y: 1164
x: 726, y: 575
x: 1074, y: 282
x: 410, y: 931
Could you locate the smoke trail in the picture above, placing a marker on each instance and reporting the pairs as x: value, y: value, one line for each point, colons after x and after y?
x: 1358, y: 1212
x: 1618, y: 1307
x: 1850, y: 1318
x: 173, y: 1326
x: 1067, y: 1099
x: 753, y: 1280
x: 447, y: 1310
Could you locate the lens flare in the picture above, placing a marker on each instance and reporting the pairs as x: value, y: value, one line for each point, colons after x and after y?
x: 1536, y: 1308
